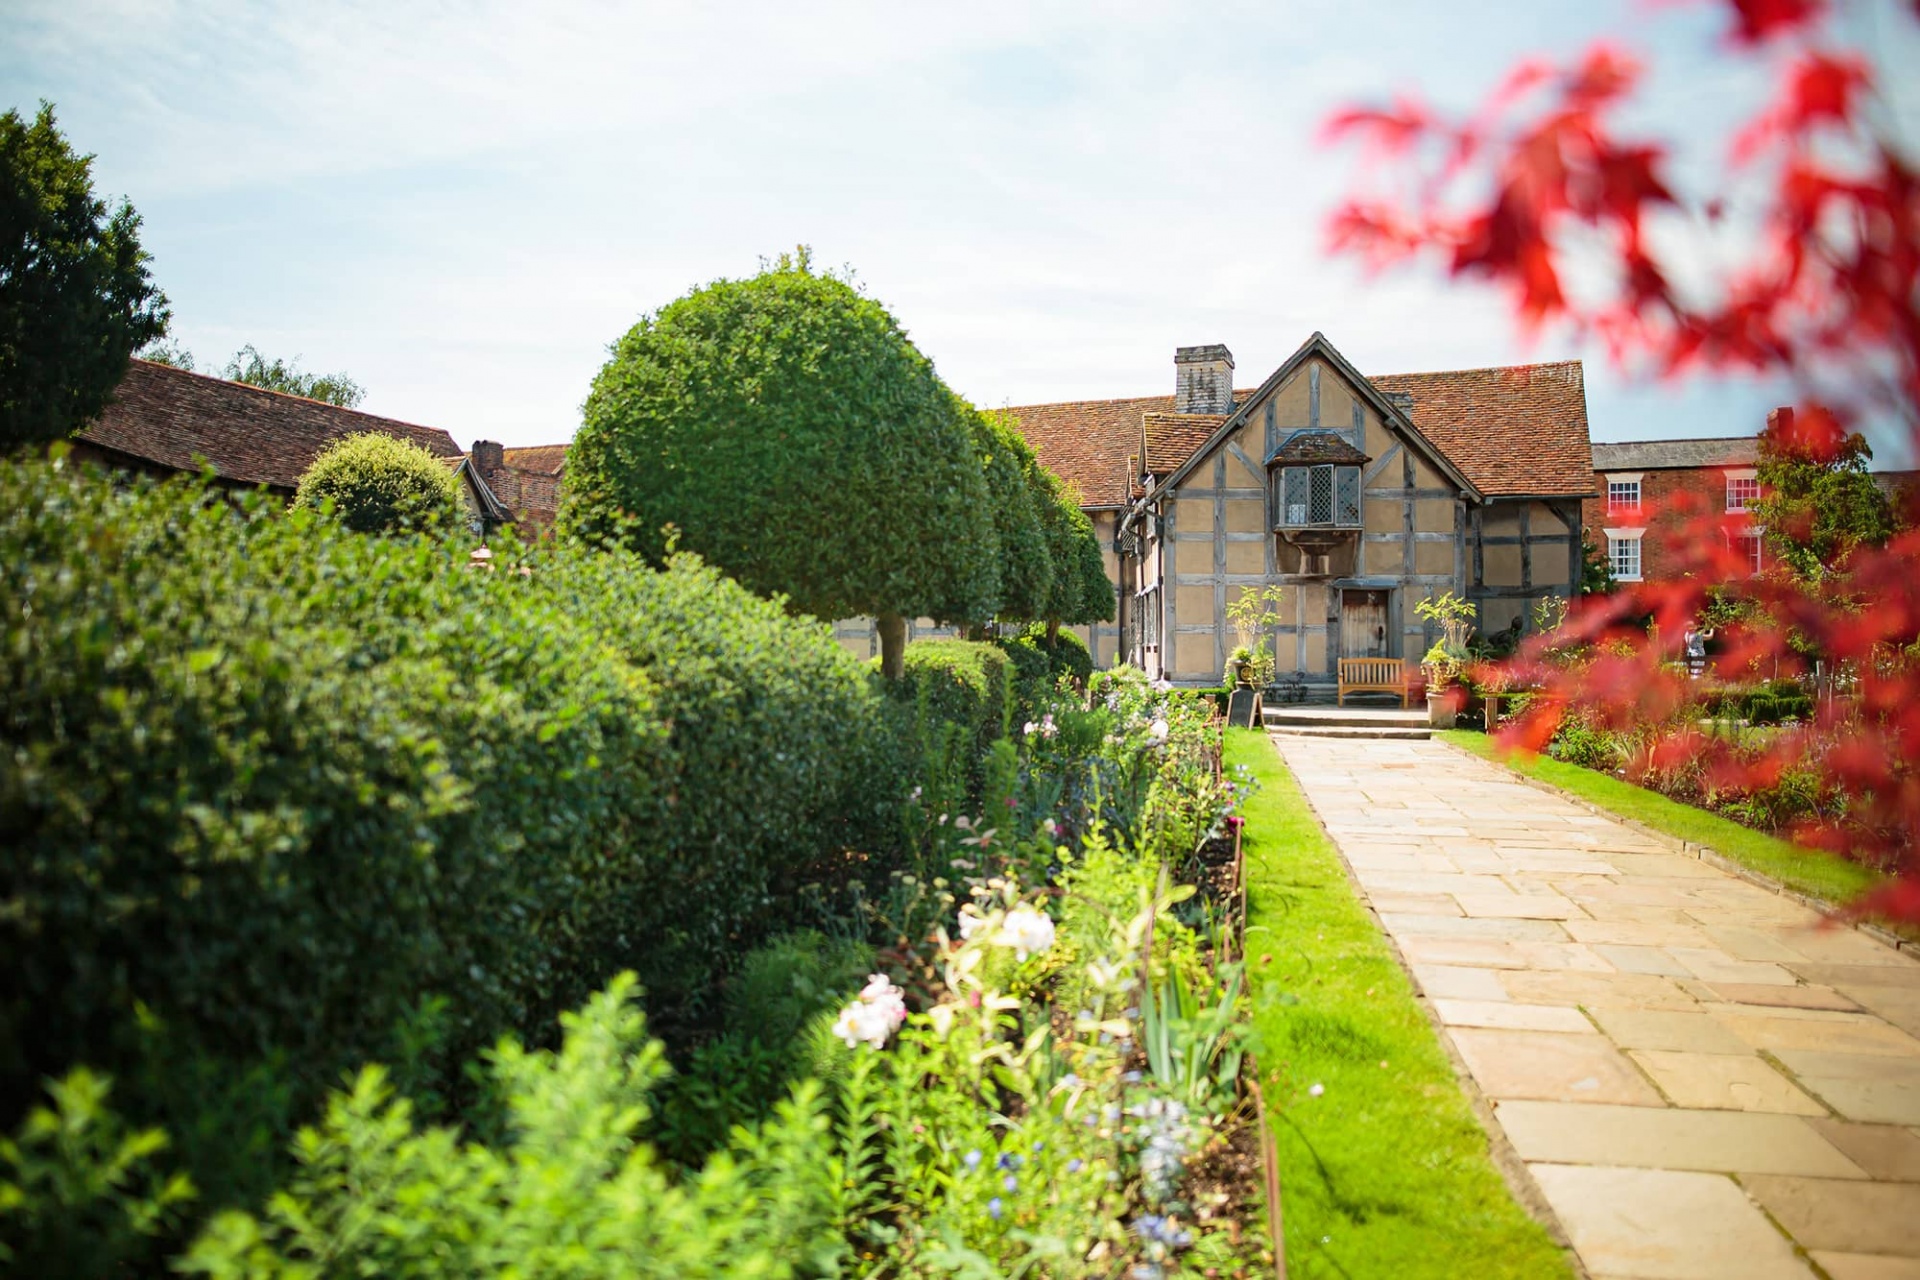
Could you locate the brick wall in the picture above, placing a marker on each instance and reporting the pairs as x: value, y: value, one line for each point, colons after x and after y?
x: 1668, y: 499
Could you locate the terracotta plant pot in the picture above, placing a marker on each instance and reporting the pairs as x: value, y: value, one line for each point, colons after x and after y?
x: 1442, y: 708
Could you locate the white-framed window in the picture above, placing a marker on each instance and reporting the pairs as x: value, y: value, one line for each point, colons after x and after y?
x: 1749, y: 545
x: 1743, y: 490
x: 1325, y: 496
x: 1623, y: 553
x: 1623, y: 494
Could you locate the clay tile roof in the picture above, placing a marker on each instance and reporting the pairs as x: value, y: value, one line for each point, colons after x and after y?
x: 1172, y: 438
x: 540, y: 459
x: 172, y: 418
x: 1521, y: 429
x: 1317, y: 446
x: 1087, y: 443
x: 1655, y: 455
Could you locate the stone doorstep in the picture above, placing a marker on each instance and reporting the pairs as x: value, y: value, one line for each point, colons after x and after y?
x: 1709, y: 856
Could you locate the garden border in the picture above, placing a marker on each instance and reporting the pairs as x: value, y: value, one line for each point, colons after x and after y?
x: 1832, y: 912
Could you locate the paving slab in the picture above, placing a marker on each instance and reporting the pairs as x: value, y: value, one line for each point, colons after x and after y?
x: 1703, y: 1078
x: 1666, y: 1225
x: 1820, y: 1213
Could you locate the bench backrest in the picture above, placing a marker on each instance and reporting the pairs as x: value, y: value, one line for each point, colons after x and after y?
x: 1372, y: 671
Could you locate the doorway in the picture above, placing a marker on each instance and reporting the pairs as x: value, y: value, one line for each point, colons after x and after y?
x: 1363, y: 624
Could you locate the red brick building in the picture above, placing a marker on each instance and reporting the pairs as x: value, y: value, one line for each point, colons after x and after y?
x: 1645, y: 487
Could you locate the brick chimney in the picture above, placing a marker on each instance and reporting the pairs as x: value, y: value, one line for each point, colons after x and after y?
x: 1780, y: 421
x: 488, y: 458
x: 1203, y: 379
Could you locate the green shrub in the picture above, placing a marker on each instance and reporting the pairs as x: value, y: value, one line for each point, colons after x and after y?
x: 568, y: 1191
x: 960, y: 698
x: 272, y: 784
x: 1580, y: 743
x: 379, y: 484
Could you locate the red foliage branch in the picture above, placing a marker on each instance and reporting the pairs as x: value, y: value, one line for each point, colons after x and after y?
x: 1823, y: 289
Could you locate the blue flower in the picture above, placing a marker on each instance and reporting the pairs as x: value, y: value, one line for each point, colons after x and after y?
x: 1076, y: 1165
x: 973, y: 1159
x: 1010, y: 1182
x: 1007, y: 1160
x: 993, y: 1208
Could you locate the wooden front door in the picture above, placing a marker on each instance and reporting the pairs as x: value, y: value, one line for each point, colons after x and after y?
x: 1363, y: 624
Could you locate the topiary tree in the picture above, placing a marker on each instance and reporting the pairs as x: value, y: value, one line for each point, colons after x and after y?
x: 75, y: 297
x: 1081, y: 592
x: 380, y: 484
x: 1025, y: 561
x: 789, y: 432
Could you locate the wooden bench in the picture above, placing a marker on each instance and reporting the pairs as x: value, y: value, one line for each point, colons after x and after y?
x: 1376, y: 675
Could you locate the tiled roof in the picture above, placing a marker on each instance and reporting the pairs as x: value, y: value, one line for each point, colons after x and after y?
x: 1173, y: 437
x: 1517, y: 429
x: 541, y: 459
x: 1658, y: 455
x: 1088, y: 443
x: 1318, y: 446
x: 172, y: 418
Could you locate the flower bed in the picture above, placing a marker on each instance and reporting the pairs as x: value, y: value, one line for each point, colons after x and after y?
x: 1039, y: 1074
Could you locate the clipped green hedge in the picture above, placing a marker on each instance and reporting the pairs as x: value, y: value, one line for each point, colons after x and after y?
x: 275, y: 783
x: 375, y: 483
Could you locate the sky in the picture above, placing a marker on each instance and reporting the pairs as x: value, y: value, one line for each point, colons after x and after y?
x: 462, y: 205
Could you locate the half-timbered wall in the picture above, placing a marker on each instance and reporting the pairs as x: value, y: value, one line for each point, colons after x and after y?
x: 1218, y: 525
x: 1522, y: 550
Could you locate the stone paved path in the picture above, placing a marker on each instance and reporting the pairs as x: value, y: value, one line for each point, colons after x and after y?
x: 1702, y: 1082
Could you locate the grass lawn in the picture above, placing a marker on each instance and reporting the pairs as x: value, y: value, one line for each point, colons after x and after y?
x: 1808, y: 871
x: 1385, y: 1172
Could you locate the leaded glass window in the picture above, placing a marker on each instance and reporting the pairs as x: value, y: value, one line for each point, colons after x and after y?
x: 1319, y: 496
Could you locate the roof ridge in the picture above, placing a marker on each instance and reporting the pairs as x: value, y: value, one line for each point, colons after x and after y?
x: 288, y: 395
x: 1680, y: 440
x: 1484, y: 368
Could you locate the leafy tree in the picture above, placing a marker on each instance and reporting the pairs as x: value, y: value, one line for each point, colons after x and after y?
x: 167, y: 351
x: 254, y: 369
x: 1081, y: 591
x: 1596, y: 567
x: 76, y: 299
x: 789, y: 432
x: 1820, y: 284
x: 379, y: 484
x: 1025, y: 562
x: 1819, y: 502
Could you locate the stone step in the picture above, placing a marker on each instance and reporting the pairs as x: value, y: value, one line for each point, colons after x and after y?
x: 1403, y: 733
x: 1349, y: 716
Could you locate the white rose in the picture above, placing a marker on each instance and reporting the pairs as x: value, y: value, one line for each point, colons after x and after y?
x: 861, y: 1021
x: 1027, y: 931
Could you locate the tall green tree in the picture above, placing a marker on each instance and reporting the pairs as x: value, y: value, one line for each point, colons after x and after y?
x: 76, y: 299
x: 1819, y: 504
x: 785, y: 428
x: 1081, y: 592
x: 1025, y: 560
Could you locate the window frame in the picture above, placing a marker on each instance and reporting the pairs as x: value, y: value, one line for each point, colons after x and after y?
x: 1334, y: 472
x: 1624, y: 480
x: 1743, y: 477
x: 1617, y: 538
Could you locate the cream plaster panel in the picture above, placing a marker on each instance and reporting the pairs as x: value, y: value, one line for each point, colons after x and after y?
x: 1290, y: 402
x: 1193, y: 657
x: 1379, y: 439
x: 1433, y: 557
x: 1500, y: 521
x: 1246, y: 515
x: 1433, y: 515
x: 1194, y: 515
x: 1246, y: 557
x: 1316, y: 651
x: 1239, y: 475
x: 1498, y: 615
x: 1550, y: 564
x: 1195, y: 605
x: 1426, y: 476
x: 1502, y: 564
x: 1545, y: 519
x: 1382, y: 515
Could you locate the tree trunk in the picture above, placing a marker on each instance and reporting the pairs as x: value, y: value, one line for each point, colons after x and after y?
x: 1053, y: 632
x: 893, y: 645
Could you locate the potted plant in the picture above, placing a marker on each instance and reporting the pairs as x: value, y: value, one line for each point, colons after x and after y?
x: 1447, y: 659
